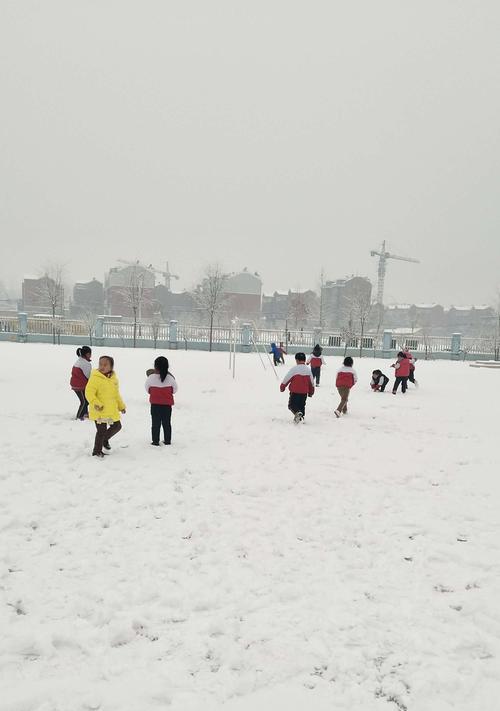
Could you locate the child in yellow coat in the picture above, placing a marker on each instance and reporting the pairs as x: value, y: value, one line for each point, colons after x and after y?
x: 105, y: 404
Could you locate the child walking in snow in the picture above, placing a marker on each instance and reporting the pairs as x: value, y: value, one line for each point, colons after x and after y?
x: 276, y: 353
x: 412, y: 359
x: 402, y: 373
x: 105, y: 401
x: 283, y: 352
x: 316, y: 360
x: 379, y: 381
x: 80, y: 374
x: 161, y: 386
x: 301, y: 386
x: 346, y: 379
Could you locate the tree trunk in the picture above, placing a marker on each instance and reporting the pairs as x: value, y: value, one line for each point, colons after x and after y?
x: 211, y: 332
x: 54, y: 324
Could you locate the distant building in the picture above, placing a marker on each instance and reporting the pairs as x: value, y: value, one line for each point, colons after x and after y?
x: 338, y: 298
x: 129, y: 286
x: 180, y: 307
x: 243, y: 295
x: 39, y: 294
x: 88, y: 297
x: 275, y: 310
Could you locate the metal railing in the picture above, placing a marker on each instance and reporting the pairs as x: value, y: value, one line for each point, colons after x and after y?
x: 420, y: 344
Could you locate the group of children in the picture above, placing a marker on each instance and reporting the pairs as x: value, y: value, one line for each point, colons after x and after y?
x: 99, y: 398
x: 301, y: 380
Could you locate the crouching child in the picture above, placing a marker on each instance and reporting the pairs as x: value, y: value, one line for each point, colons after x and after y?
x: 379, y: 381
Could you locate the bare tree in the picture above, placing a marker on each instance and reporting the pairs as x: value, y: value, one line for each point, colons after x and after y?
x: 51, y: 292
x: 298, y: 309
x: 156, y: 322
x: 89, y: 319
x: 359, y: 307
x: 135, y: 296
x: 210, y: 295
x: 348, y: 336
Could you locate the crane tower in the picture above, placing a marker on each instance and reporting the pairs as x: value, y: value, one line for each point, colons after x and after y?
x: 383, y: 256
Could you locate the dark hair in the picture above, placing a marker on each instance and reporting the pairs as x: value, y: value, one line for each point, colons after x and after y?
x: 317, y: 350
x: 83, y: 351
x: 161, y: 365
x: 110, y: 360
x: 300, y: 356
x: 377, y: 372
x: 348, y: 362
x: 401, y: 354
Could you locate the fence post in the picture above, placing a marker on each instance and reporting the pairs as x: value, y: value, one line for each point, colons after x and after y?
x: 99, y: 331
x: 386, y: 343
x: 245, y: 337
x: 456, y: 339
x: 22, y: 328
x: 172, y: 335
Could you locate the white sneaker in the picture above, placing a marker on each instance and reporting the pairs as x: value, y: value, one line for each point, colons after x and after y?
x: 298, y: 417
x: 337, y: 413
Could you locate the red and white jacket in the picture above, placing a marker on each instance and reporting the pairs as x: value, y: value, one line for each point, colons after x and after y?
x: 80, y: 374
x: 299, y: 380
x: 161, y: 393
x: 346, y: 377
x: 402, y: 368
x: 315, y: 361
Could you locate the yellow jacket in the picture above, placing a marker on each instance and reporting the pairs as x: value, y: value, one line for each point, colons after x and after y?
x: 104, y: 391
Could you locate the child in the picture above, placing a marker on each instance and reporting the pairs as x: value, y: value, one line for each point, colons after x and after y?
x: 316, y: 360
x: 276, y: 353
x: 103, y: 395
x: 301, y: 385
x: 412, y: 359
x: 346, y: 379
x: 161, y: 386
x: 80, y: 374
x: 402, y: 373
x: 283, y: 352
x: 379, y: 381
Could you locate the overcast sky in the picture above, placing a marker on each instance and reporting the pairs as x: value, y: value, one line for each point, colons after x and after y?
x: 280, y: 135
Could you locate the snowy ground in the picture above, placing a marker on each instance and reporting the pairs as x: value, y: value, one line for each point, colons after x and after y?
x: 340, y: 564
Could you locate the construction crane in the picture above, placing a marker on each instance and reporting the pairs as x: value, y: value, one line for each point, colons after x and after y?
x: 382, y: 266
x: 167, y: 274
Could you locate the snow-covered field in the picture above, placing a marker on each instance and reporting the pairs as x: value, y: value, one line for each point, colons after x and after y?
x: 339, y: 564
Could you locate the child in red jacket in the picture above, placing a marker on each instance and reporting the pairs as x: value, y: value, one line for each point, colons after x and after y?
x: 316, y: 360
x: 402, y: 373
x: 80, y: 374
x: 301, y: 385
x: 161, y: 386
x: 346, y: 379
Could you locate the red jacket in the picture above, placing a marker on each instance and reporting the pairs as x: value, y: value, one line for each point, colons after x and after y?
x: 161, y: 393
x: 315, y: 361
x: 402, y: 368
x: 299, y: 380
x: 346, y: 377
x: 80, y: 374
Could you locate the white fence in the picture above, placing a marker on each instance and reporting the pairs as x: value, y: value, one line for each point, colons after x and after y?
x: 126, y: 332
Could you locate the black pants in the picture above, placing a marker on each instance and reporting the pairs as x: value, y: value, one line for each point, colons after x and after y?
x: 83, y: 408
x: 160, y: 417
x: 276, y: 359
x: 411, y: 377
x: 316, y: 373
x: 104, y: 434
x: 297, y: 403
x: 403, y: 379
